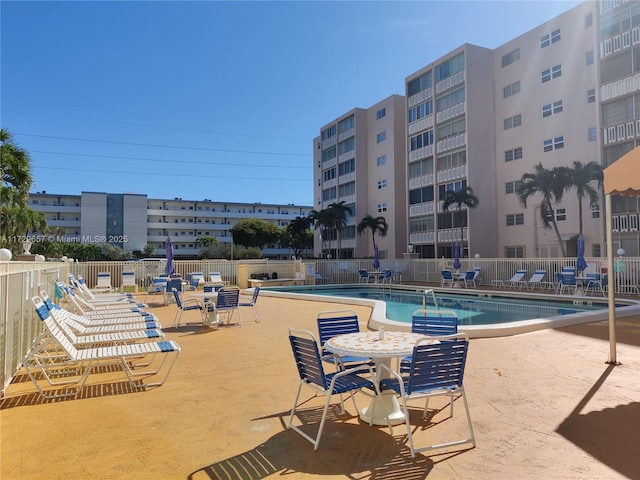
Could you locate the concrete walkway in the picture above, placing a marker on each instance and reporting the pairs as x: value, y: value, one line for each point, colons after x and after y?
x: 544, y: 405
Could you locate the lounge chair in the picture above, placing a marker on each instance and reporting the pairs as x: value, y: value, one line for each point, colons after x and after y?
x: 55, y: 359
x: 312, y: 375
x: 536, y: 279
x: 517, y: 280
x: 104, y: 282
x: 437, y: 368
x: 216, y: 279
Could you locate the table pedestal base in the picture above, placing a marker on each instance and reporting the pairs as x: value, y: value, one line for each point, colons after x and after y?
x: 385, y: 405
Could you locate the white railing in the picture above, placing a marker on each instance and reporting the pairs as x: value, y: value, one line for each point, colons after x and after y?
x: 19, y: 325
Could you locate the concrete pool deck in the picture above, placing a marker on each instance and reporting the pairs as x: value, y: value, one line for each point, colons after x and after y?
x: 544, y: 405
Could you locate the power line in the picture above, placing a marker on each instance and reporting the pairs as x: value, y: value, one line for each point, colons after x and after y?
x: 170, y: 161
x: 118, y: 122
x: 173, y: 174
x: 165, y: 146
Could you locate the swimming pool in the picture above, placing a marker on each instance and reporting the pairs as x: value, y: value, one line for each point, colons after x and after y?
x: 480, y: 313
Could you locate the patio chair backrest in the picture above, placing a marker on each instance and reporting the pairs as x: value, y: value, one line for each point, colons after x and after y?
x: 434, y: 322
x: 174, y: 283
x: 228, y: 298
x: 438, y: 365
x: 307, y: 357
x: 128, y: 278
x: 446, y: 274
x: 337, y: 322
x: 568, y: 279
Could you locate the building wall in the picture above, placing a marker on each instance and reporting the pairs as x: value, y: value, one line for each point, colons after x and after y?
x: 139, y: 220
x: 380, y: 190
x: 618, y: 50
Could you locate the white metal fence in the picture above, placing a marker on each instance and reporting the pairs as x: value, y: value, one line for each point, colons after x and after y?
x: 19, y: 325
x: 19, y: 281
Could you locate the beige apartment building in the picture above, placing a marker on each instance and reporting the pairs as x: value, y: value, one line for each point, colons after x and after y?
x: 359, y: 159
x: 566, y: 91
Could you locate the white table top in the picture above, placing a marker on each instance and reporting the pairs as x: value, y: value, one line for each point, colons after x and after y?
x: 204, y: 295
x: 368, y: 344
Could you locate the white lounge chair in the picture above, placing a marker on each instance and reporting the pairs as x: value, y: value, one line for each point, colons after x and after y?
x: 64, y: 366
x: 517, y: 280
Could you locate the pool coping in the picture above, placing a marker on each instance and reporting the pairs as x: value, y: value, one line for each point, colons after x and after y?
x: 379, y: 309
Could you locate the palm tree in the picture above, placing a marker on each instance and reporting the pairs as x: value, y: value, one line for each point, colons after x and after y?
x: 459, y: 198
x: 321, y: 221
x: 338, y: 218
x: 376, y: 224
x: 550, y: 184
x: 582, y: 177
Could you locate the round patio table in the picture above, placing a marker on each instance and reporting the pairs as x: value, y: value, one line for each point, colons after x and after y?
x: 382, y: 348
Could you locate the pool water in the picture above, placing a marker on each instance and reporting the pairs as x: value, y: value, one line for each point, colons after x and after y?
x: 471, y: 309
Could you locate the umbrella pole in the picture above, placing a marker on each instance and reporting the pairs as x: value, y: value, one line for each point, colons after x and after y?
x: 611, y: 286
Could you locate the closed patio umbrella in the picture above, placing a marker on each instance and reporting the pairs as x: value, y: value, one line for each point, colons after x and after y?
x: 456, y: 255
x: 169, y: 268
x: 581, y: 264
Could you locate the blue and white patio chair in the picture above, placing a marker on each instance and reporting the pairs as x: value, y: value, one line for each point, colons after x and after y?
x: 312, y: 375
x: 437, y: 368
x: 186, y: 306
x: 252, y: 303
x: 446, y: 278
x: 339, y: 322
x: 433, y: 323
x: 517, y: 280
x: 596, y: 284
x: 365, y: 277
x: 227, y: 302
x: 568, y: 282
x: 469, y: 278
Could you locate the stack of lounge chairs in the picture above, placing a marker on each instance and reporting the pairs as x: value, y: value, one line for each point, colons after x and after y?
x: 109, y: 333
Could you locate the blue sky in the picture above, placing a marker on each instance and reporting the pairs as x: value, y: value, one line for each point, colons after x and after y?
x: 217, y: 100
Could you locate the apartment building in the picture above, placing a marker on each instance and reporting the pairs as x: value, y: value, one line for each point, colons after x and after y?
x: 482, y: 118
x: 131, y: 221
x: 359, y: 159
x: 618, y: 51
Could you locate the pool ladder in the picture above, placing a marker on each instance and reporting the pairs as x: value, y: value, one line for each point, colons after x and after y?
x: 432, y: 294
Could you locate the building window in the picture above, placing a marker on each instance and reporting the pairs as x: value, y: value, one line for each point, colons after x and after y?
x: 329, y: 174
x: 512, y: 122
x: 382, y: 161
x: 421, y: 110
x: 514, y: 252
x: 381, y: 113
x: 551, y: 73
x: 550, y: 38
x: 346, y: 167
x: 347, y: 189
x: 511, y: 90
x: 561, y: 214
x: 382, y: 207
x: 421, y: 140
x: 511, y: 187
x: 588, y: 20
x: 381, y: 137
x: 329, y: 194
x: 419, y: 84
x: 514, y: 154
x: 511, y: 57
x: 591, y: 95
x: 552, y: 108
x: 589, y: 57
x: 595, y: 210
x: 592, y: 134
x: 382, y: 184
x: 346, y: 145
x: 515, y: 219
x: 553, y: 144
x: 328, y: 132
x: 346, y: 124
